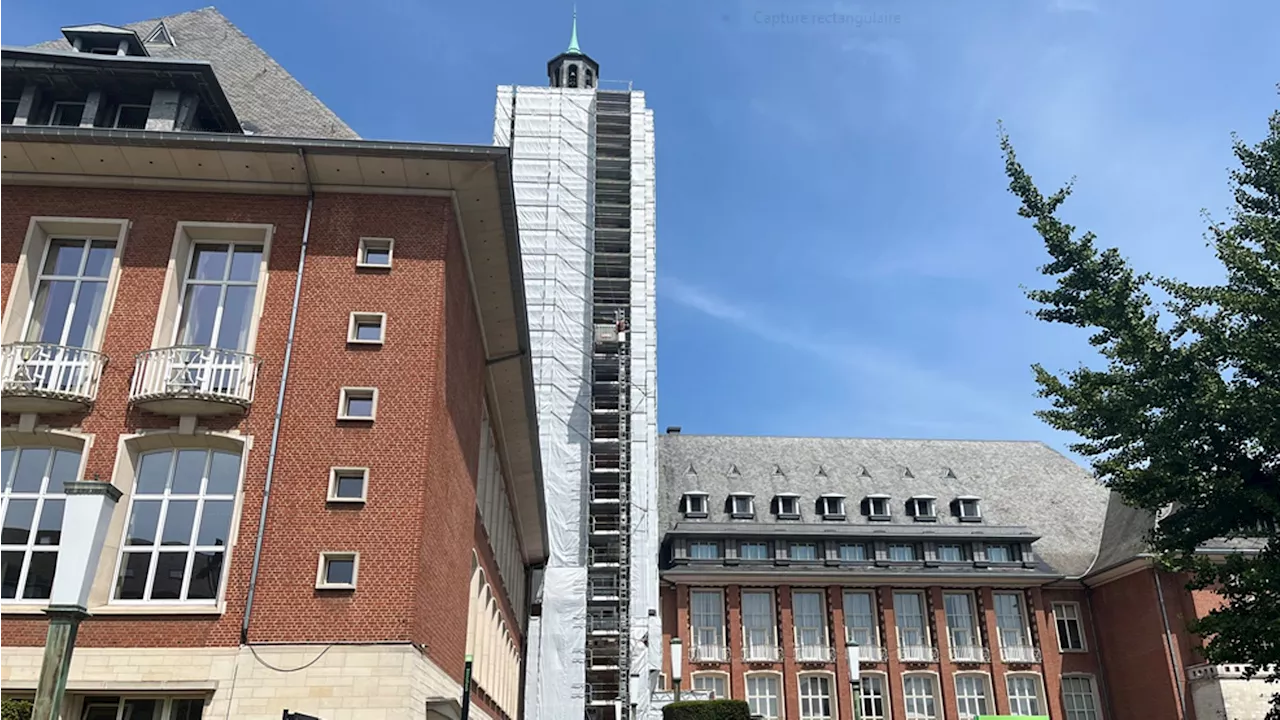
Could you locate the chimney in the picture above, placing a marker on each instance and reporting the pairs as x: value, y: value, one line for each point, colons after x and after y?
x: 673, y: 429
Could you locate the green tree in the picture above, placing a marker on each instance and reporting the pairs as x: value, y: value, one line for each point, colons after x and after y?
x: 1181, y: 412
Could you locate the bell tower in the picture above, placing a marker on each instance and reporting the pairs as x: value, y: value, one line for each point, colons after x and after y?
x: 573, y: 68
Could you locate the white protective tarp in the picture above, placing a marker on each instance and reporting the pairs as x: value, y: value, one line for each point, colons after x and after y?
x: 561, y: 681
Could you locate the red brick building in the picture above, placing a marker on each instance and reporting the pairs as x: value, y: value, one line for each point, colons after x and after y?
x: 977, y: 578
x: 302, y: 363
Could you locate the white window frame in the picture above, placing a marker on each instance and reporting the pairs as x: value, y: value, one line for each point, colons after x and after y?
x: 955, y: 631
x: 79, y: 279
x: 881, y: 681
x: 959, y: 548
x: 1011, y: 557
x: 915, y: 556
x: 704, y: 543
x: 923, y: 628
x: 747, y: 509
x: 166, y: 703
x: 1061, y: 609
x: 789, y: 505
x: 366, y: 243
x: 47, y: 492
x: 871, y: 628
x: 806, y: 632
x: 708, y: 638
x: 365, y: 318
x: 186, y: 282
x: 879, y: 502
x: 809, y: 693
x: 717, y: 678
x: 754, y: 543
x: 863, y: 546
x: 328, y: 555
x: 347, y: 393
x: 756, y: 699
x: 766, y: 648
x: 1017, y: 705
x: 966, y: 503
x: 701, y: 499
x: 192, y: 547
x: 336, y: 472
x: 115, y: 118
x: 969, y: 705
x: 791, y: 551
x: 1005, y: 619
x: 832, y: 507
x: 919, y: 706
x: 1094, y: 709
x: 923, y: 507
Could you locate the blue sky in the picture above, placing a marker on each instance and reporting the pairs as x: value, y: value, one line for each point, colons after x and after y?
x: 838, y: 254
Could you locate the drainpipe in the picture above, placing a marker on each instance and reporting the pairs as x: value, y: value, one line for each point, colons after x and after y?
x: 284, y: 382
x: 1173, y: 651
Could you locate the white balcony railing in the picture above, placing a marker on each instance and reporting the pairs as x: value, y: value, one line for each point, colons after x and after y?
x: 195, y: 373
x: 56, y: 372
x: 1020, y: 654
x: 708, y: 653
x: 761, y: 653
x: 970, y: 653
x: 872, y: 653
x: 917, y: 653
x: 814, y: 653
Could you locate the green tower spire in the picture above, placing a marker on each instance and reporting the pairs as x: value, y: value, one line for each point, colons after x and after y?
x: 573, y: 39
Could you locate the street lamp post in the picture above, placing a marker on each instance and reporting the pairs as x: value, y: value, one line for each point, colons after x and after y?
x: 677, y: 666
x: 855, y: 678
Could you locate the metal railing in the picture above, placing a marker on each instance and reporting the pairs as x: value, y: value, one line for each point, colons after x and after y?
x: 603, y: 587
x: 762, y: 653
x: 708, y: 653
x: 1019, y: 654
x: 604, y: 555
x: 610, y: 524
x: 188, y: 371
x: 970, y: 653
x: 53, y: 371
x: 814, y: 653
x: 917, y: 653
x: 602, y: 620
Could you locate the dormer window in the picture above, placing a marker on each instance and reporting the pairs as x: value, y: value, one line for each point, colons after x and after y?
x: 788, y: 507
x: 876, y: 507
x: 921, y: 508
x: 999, y: 553
x: 695, y: 504
x: 742, y: 506
x: 968, y: 509
x: 831, y: 507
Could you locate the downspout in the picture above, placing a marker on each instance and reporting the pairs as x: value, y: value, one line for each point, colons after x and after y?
x: 1168, y: 640
x: 284, y: 382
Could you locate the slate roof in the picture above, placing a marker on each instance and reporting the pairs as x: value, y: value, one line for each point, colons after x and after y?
x: 1020, y: 483
x: 266, y: 98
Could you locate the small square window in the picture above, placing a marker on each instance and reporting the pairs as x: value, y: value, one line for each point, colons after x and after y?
x: 804, y: 551
x: 702, y: 550
x: 366, y: 328
x: 695, y: 505
x: 878, y: 507
x: 832, y: 507
x: 67, y: 114
x: 742, y: 506
x: 131, y: 117
x: 788, y: 506
x: 950, y: 553
x: 348, y: 485
x: 853, y: 552
x: 754, y: 551
x: 357, y: 403
x: 999, y: 553
x: 921, y: 509
x: 902, y: 552
x: 337, y: 571
x: 375, y: 252
x: 968, y: 510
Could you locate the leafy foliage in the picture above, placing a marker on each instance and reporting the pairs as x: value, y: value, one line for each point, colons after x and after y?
x: 1182, y: 415
x: 707, y: 710
x: 13, y: 709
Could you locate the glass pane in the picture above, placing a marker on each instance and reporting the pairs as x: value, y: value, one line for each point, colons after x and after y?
x: 186, y: 709
x: 142, y: 522
x: 199, y: 310
x: 66, y: 467
x: 17, y: 522
x: 67, y: 114
x: 7, y: 456
x: 215, y: 522
x: 237, y: 307
x: 373, y: 331
x: 153, y: 473
x: 139, y: 709
x: 245, y: 263
x: 206, y: 575
x: 49, y: 314
x: 224, y: 474
x: 49, y: 531
x: 339, y: 571
x: 32, y: 462
x: 170, y: 567
x: 133, y: 576
x: 190, y: 472
x: 10, y: 570
x: 87, y: 313
x: 132, y: 117
x: 209, y: 262
x: 179, y: 521
x: 100, y: 256
x: 358, y: 406
x: 377, y: 255
x: 40, y: 576
x: 64, y: 257
x: 349, y: 486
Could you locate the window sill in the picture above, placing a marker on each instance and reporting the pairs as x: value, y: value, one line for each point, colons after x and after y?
x: 923, y: 518
x: 1077, y: 651
x: 159, y: 609
x: 353, y: 341
x: 344, y: 587
x: 373, y: 266
x: 743, y: 516
x: 879, y: 518
x: 355, y: 418
x: 971, y: 519
x: 695, y: 516
x: 22, y: 609
x: 838, y: 518
x: 788, y: 516
x: 345, y: 501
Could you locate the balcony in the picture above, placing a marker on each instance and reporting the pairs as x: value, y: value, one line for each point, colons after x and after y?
x: 917, y: 653
x: 761, y: 653
x: 45, y: 378
x: 708, y: 653
x: 814, y: 654
x: 192, y: 380
x: 872, y: 653
x: 1019, y: 654
x: 970, y: 654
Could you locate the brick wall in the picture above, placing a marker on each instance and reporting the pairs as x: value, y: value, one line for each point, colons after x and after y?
x: 416, y: 532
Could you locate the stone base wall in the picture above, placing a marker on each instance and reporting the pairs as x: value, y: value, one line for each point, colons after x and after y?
x: 1219, y: 692
x: 333, y: 682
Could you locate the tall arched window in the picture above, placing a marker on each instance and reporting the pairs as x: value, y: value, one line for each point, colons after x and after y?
x: 33, y: 502
x: 573, y: 76
x: 590, y: 78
